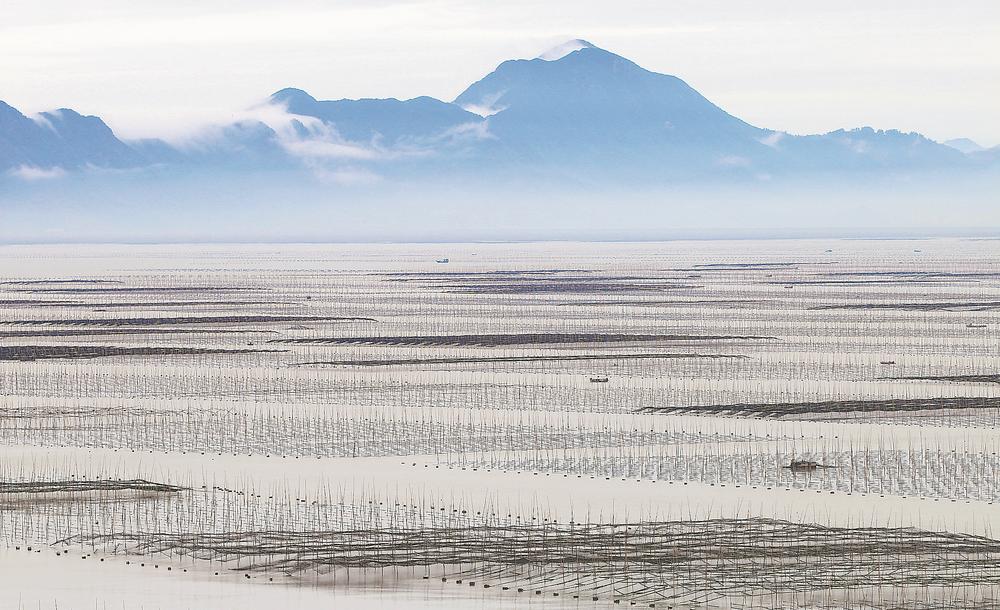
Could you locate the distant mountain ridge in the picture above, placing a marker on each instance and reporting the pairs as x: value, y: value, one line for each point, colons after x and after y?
x: 578, y: 111
x: 964, y: 144
x: 391, y: 120
x: 61, y: 139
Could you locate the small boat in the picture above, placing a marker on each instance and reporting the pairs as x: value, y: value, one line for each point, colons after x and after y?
x: 805, y: 466
x: 802, y: 465
x: 598, y: 380
x: 975, y: 326
x: 441, y: 260
x: 887, y: 362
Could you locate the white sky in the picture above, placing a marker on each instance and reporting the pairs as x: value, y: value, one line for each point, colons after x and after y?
x: 162, y: 68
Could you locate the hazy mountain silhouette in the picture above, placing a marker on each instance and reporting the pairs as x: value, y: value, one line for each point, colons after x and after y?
x: 964, y: 144
x: 389, y: 121
x: 595, y: 108
x: 61, y: 138
x: 577, y: 112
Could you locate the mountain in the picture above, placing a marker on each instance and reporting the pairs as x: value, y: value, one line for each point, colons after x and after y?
x: 66, y: 140
x: 244, y: 145
x: 866, y: 149
x: 386, y: 121
x: 576, y: 113
x: 62, y: 138
x: 582, y: 106
x: 984, y: 157
x: 591, y: 106
x: 584, y: 114
x: 964, y: 144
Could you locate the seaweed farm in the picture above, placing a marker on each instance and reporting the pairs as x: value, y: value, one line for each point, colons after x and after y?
x: 745, y: 425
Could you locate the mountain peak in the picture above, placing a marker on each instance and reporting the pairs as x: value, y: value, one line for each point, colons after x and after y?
x: 562, y: 50
x: 295, y: 100
x: 964, y: 144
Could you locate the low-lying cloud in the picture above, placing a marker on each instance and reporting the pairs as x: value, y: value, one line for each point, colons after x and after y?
x: 31, y: 173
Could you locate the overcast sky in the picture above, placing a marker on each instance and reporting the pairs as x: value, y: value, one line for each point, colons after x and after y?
x: 163, y: 68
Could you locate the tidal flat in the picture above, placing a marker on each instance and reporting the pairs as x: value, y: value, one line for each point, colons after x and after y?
x: 773, y: 424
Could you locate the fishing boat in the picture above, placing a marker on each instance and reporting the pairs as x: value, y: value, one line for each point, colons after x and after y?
x: 805, y: 466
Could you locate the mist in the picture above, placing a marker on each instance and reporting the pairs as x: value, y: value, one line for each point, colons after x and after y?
x: 169, y: 205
